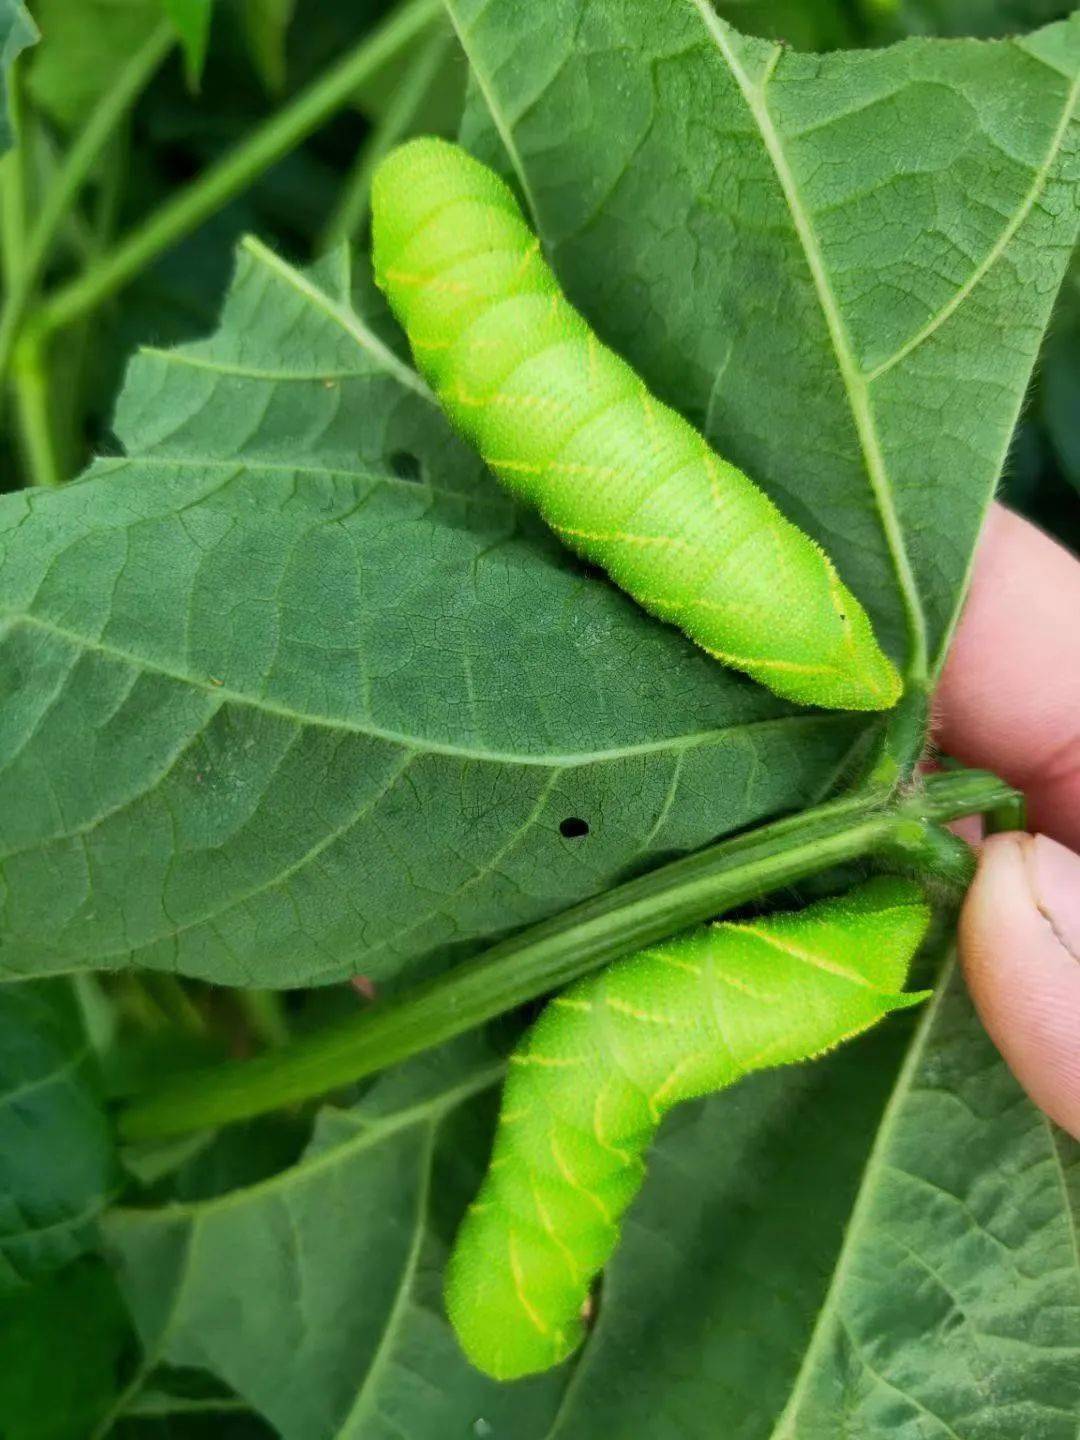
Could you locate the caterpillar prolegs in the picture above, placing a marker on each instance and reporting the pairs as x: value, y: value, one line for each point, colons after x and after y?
x: 607, y: 1060
x: 567, y: 425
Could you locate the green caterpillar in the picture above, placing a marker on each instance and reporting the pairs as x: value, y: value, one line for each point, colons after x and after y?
x: 568, y: 425
x: 606, y: 1061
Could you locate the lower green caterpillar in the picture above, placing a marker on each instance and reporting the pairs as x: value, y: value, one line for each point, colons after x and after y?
x: 568, y: 425
x: 606, y: 1061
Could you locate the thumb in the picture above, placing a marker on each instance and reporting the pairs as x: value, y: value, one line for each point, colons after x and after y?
x: 1020, y: 946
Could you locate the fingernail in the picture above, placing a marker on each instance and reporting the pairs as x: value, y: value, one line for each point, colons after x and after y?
x: 1054, y: 876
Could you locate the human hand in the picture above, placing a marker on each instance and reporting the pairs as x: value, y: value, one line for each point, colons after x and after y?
x: 1010, y: 701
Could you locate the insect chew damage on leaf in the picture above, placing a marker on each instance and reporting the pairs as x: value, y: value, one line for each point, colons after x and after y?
x: 569, y: 427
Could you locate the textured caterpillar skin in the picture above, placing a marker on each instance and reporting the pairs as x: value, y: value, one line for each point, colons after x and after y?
x: 605, y: 1062
x: 568, y: 426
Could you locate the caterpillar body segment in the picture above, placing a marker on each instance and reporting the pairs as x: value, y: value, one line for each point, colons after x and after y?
x: 607, y: 1060
x: 573, y: 430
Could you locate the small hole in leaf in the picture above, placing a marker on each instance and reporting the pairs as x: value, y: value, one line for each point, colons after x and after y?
x: 406, y: 467
x: 573, y: 828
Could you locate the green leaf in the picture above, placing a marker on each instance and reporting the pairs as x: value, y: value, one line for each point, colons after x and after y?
x: 84, y: 47
x: 57, y: 1167
x: 955, y: 1304
x: 870, y: 240
x: 313, y: 697
x: 709, y: 1304
x: 335, y: 1265
x: 191, y: 20
x: 736, y: 1304
x: 17, y: 31
x: 266, y: 26
x: 755, y: 1182
x: 953, y: 1307
x: 62, y: 1343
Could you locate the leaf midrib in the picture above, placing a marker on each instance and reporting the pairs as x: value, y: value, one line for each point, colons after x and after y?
x: 855, y: 386
x: 416, y: 743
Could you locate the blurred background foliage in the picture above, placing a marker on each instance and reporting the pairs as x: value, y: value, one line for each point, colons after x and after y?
x: 240, y: 61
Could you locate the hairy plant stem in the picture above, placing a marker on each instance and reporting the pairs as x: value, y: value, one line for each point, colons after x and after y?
x: 269, y: 143
x: 549, y: 955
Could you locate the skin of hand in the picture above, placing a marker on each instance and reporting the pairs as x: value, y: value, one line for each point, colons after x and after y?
x: 1009, y: 701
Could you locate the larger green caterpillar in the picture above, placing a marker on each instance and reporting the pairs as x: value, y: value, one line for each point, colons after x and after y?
x: 569, y: 426
x: 606, y: 1061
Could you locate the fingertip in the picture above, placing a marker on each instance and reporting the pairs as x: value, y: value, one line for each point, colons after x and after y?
x: 1020, y: 947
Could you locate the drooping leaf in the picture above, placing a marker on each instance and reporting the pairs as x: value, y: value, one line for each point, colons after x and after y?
x: 176, y: 1404
x: 62, y: 1344
x: 84, y: 48
x: 871, y: 240
x: 57, y: 1167
x: 335, y: 1265
x: 735, y: 1304
x: 313, y: 697
x: 17, y: 31
x: 191, y: 20
x: 758, y: 1178
x: 266, y: 26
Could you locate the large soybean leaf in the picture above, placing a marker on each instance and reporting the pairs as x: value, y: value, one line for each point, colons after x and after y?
x: 293, y: 691
x: 340, y: 1258
x: 57, y: 1167
x: 841, y: 266
x: 736, y: 1304
x: 335, y: 1266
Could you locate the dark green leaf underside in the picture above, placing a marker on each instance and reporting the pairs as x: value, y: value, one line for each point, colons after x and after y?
x: 293, y: 691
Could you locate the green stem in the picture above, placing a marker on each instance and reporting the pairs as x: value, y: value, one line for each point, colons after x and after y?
x: 1010, y: 815
x: 551, y: 954
x: 190, y: 207
x: 904, y: 740
x: 956, y: 793
x: 350, y: 213
x: 176, y: 1004
x: 77, y: 165
x: 265, y: 1016
x: 32, y: 398
x: 13, y: 215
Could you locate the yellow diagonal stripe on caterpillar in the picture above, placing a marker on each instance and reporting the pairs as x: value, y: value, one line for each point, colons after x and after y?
x: 566, y: 424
